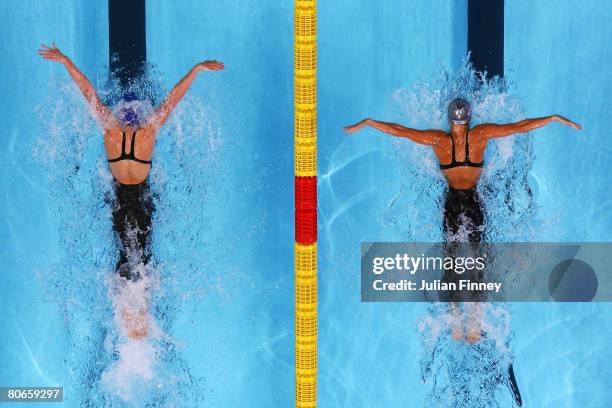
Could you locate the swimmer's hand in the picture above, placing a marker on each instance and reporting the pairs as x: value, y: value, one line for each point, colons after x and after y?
x: 209, y: 66
x: 52, y: 53
x: 357, y: 126
x: 567, y: 122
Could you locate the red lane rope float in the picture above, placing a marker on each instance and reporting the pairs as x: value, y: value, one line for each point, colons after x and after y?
x: 306, y: 210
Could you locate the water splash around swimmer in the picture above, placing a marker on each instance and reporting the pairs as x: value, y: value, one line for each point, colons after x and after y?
x: 107, y: 365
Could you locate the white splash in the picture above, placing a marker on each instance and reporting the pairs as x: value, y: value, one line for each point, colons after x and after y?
x: 135, y: 346
x: 132, y: 373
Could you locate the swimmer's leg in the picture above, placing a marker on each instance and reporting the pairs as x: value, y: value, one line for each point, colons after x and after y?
x: 474, y: 323
x: 123, y: 267
x: 450, y: 230
x: 143, y: 220
x: 475, y: 214
x: 132, y: 214
x: 122, y: 228
x: 463, y: 220
x: 512, y: 384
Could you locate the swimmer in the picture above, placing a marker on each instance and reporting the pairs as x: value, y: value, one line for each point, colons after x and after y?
x: 460, y: 153
x: 129, y: 141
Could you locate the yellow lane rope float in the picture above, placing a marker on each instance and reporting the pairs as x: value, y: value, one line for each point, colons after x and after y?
x: 305, y: 136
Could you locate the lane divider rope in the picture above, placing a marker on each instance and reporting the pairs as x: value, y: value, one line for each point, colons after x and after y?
x: 305, y: 150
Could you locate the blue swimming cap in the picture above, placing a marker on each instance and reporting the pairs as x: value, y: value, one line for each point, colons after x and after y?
x: 128, y: 113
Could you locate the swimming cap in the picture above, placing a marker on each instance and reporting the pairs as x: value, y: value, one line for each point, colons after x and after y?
x: 130, y: 116
x: 459, y: 111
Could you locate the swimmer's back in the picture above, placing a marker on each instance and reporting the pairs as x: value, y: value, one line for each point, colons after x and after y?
x: 129, y: 167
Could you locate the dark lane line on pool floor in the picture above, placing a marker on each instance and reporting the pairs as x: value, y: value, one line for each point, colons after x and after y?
x: 127, y: 39
x: 486, y: 36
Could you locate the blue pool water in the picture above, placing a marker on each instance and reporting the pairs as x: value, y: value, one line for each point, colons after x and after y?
x: 223, y: 287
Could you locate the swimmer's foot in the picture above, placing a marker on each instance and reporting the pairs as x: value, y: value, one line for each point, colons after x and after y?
x: 457, y: 333
x: 514, y: 387
x: 135, y: 324
x: 474, y: 330
x: 473, y: 335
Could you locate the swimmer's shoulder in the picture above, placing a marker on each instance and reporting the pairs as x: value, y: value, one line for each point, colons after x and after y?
x: 146, y: 133
x: 113, y: 134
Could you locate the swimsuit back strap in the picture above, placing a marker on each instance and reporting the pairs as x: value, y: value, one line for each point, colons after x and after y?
x: 122, y: 155
x: 453, y: 159
x: 123, y: 137
x: 467, y: 146
x: 467, y: 153
x: 132, y: 153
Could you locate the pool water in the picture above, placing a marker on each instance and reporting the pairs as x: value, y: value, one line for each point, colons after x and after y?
x: 222, y: 285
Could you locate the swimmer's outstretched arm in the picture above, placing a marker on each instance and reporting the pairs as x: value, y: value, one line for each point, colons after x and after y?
x: 425, y: 137
x: 101, y: 112
x: 492, y: 131
x: 180, y: 89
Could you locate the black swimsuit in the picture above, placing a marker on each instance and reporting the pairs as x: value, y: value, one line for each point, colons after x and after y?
x: 463, y: 222
x: 132, y: 211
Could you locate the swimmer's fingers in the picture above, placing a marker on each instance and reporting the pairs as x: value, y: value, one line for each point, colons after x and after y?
x: 47, y: 54
x: 51, y: 56
x: 44, y: 50
x: 51, y: 53
x: 568, y: 122
x: 349, y: 129
x: 575, y: 125
x: 214, y: 65
x: 354, y: 128
x: 53, y: 48
x: 211, y: 66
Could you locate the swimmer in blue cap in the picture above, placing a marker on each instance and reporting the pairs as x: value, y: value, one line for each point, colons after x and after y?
x: 129, y: 140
